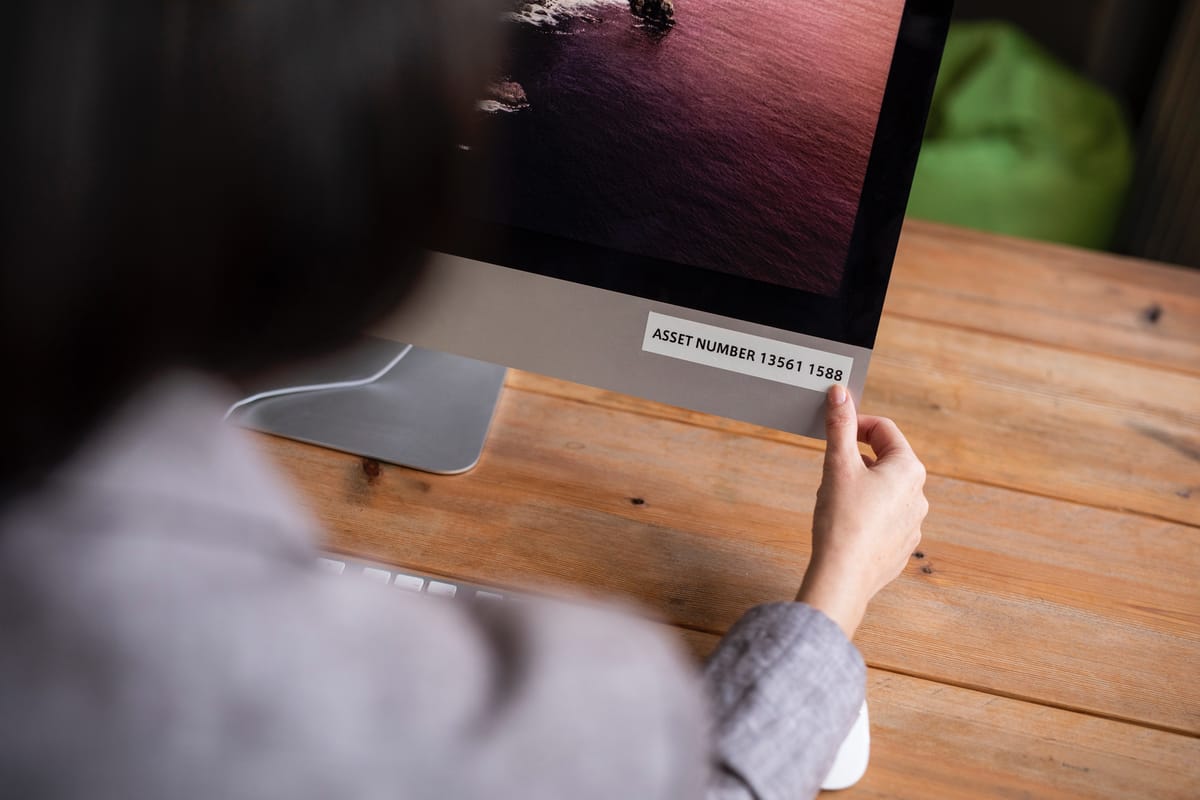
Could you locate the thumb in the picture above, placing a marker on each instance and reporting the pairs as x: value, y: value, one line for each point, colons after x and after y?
x: 841, y: 430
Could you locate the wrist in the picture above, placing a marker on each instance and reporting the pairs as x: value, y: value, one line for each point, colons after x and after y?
x: 834, y: 598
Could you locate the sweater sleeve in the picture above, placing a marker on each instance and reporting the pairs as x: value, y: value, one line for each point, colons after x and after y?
x: 785, y: 686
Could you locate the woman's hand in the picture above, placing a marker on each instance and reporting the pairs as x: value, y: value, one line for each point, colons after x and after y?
x: 868, y: 516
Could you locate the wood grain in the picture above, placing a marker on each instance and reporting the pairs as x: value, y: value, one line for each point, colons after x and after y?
x: 932, y: 740
x: 1081, y: 300
x: 1082, y: 619
x: 1042, y: 419
x: 1013, y: 414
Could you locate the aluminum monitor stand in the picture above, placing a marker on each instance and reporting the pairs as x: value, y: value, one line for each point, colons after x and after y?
x: 431, y: 411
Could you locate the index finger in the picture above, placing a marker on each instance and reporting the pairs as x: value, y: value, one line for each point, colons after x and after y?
x: 883, y: 436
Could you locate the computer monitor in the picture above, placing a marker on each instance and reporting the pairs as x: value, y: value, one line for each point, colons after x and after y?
x: 693, y: 201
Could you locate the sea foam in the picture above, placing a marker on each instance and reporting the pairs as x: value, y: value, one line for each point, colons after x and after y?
x: 496, y: 107
x: 550, y: 13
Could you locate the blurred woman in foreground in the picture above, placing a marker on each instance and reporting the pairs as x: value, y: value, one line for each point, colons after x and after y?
x: 194, y: 192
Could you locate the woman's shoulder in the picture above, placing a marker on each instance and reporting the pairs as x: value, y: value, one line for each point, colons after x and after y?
x: 171, y: 607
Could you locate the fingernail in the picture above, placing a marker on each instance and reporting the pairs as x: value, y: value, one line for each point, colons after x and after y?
x: 837, y: 394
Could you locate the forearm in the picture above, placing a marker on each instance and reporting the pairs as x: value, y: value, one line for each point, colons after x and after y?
x: 785, y: 686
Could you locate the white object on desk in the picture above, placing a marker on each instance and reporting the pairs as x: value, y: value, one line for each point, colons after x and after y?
x: 377, y: 575
x: 332, y: 566
x: 412, y: 583
x: 850, y: 764
x: 441, y: 588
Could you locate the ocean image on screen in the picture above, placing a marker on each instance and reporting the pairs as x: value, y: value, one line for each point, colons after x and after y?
x: 719, y: 134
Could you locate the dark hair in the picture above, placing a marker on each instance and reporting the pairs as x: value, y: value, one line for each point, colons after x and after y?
x: 210, y: 183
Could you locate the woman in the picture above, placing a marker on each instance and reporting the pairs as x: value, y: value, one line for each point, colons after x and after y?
x: 188, y: 188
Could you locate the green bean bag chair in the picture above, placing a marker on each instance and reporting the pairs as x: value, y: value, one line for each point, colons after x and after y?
x: 1017, y: 143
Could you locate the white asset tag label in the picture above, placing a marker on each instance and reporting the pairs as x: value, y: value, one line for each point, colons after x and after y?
x: 746, y: 353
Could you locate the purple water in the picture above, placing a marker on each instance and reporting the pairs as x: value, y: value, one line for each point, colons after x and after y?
x: 736, y: 141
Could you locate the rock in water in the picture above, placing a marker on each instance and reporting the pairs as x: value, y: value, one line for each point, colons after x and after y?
x: 510, y: 93
x: 655, y: 12
x: 504, y: 95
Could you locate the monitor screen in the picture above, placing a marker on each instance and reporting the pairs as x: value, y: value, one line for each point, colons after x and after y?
x: 695, y: 201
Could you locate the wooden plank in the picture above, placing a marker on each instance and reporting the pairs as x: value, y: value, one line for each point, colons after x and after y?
x: 1079, y: 299
x: 1025, y: 595
x: 1010, y: 413
x: 933, y: 740
x: 1042, y: 419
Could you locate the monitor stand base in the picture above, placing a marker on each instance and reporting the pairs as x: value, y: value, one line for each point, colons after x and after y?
x: 430, y: 412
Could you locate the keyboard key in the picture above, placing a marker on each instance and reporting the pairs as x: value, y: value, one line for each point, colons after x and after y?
x: 410, y: 582
x: 377, y: 575
x: 332, y: 566
x: 482, y: 595
x: 442, y: 589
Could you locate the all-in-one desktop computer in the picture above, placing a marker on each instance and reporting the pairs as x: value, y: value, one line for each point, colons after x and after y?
x: 695, y: 203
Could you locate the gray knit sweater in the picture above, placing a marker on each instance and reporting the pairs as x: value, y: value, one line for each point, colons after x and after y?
x: 164, y: 633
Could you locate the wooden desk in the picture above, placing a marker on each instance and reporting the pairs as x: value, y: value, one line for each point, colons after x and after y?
x: 1047, y: 644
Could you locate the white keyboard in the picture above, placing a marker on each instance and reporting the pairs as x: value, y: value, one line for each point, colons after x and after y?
x: 408, y: 580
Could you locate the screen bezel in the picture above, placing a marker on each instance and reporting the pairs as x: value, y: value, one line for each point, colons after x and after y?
x: 850, y: 316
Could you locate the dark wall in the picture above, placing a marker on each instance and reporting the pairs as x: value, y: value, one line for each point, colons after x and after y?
x: 1144, y: 52
x: 1118, y: 43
